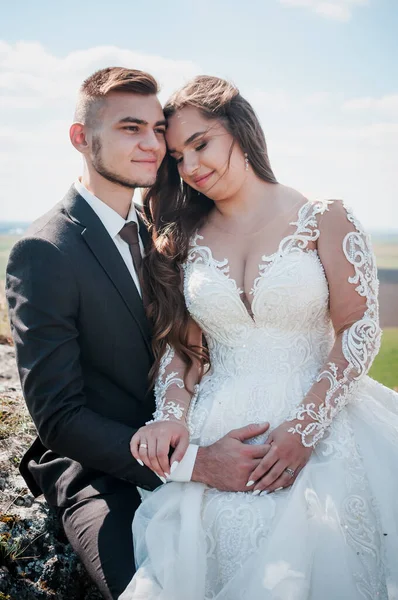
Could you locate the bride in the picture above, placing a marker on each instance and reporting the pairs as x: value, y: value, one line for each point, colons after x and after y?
x: 283, y: 293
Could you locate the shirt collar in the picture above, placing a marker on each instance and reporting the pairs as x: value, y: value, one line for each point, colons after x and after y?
x: 110, y: 219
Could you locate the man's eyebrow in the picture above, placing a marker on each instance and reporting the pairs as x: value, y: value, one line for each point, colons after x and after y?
x: 163, y: 122
x: 133, y: 120
x: 190, y: 139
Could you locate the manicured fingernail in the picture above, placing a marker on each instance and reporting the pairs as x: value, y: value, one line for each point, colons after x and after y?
x: 264, y: 493
x: 162, y: 479
x: 174, y: 466
x: 249, y: 483
x: 277, y: 489
x: 140, y: 462
x: 167, y: 475
x: 256, y: 492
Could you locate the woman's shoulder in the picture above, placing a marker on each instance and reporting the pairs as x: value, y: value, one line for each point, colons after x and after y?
x: 326, y: 212
x: 290, y: 195
x: 338, y: 218
x: 293, y: 198
x: 330, y: 208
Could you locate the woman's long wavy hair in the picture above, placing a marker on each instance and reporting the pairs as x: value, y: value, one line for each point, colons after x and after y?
x: 174, y: 211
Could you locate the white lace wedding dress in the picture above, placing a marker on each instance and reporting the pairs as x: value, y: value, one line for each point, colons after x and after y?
x: 305, y: 350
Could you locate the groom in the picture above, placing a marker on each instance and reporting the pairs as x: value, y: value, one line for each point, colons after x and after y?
x: 82, y: 339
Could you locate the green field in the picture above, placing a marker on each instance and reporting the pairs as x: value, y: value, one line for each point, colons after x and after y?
x: 6, y: 243
x: 4, y: 326
x: 386, y: 252
x: 385, y: 367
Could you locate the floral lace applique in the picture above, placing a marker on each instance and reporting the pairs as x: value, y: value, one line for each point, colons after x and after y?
x: 360, y: 342
x: 306, y: 232
x: 167, y: 408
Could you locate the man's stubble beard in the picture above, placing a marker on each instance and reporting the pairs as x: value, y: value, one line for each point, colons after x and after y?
x: 101, y: 169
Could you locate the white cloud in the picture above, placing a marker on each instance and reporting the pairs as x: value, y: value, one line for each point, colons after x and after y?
x: 314, y: 145
x: 357, y: 164
x: 332, y: 155
x: 317, y: 99
x: 386, y: 105
x: 281, y: 101
x: 339, y: 10
x: 30, y: 77
x: 270, y: 100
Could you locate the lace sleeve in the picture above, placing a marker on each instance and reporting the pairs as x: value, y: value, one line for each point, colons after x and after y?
x: 346, y: 254
x: 173, y: 382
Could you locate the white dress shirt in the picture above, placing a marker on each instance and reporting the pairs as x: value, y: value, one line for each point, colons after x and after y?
x: 113, y: 223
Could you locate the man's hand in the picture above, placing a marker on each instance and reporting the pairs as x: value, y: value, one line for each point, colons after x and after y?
x: 226, y: 465
x: 287, y: 452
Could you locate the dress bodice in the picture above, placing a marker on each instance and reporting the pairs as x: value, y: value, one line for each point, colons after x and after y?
x: 289, y: 304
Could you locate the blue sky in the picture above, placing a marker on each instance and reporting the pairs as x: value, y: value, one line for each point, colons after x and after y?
x: 322, y: 75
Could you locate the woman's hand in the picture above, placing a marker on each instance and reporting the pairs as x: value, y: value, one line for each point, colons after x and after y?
x: 281, y: 465
x: 150, y: 445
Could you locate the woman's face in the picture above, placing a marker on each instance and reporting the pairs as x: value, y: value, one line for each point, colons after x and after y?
x: 208, y: 158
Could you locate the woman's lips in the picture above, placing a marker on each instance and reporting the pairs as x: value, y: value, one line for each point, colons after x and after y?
x: 201, y: 181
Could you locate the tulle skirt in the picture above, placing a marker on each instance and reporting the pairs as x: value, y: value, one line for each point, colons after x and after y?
x: 333, y: 535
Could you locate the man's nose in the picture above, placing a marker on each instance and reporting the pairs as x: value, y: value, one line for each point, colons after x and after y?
x: 151, y: 141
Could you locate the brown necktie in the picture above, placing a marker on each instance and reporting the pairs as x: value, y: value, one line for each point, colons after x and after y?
x: 129, y: 233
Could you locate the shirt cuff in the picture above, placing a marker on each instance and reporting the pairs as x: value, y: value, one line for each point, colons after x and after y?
x: 183, y: 473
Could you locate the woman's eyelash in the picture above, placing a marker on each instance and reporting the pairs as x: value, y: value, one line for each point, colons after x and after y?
x: 198, y: 149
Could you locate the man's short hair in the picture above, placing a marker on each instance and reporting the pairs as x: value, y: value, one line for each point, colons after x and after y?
x: 95, y: 89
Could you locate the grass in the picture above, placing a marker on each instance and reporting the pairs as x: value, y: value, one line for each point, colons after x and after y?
x: 14, y: 419
x: 385, y: 366
x: 13, y: 547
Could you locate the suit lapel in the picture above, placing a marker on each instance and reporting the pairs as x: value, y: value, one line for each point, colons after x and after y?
x: 102, y: 246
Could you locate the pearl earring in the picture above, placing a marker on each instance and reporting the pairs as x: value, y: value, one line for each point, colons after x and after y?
x: 246, y: 162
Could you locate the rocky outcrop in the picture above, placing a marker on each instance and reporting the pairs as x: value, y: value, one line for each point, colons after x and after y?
x: 36, y: 561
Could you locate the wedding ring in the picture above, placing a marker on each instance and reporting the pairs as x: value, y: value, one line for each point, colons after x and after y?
x: 290, y: 472
x: 142, y: 446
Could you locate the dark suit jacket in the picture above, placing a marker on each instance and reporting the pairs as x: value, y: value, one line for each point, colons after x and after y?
x: 83, y: 352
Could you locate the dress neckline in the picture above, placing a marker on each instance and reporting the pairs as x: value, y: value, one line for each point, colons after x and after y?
x: 306, y: 230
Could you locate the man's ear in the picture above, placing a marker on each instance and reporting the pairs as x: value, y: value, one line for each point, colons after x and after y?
x: 78, y: 137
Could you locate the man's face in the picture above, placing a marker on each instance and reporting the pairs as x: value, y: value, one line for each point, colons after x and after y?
x: 127, y: 144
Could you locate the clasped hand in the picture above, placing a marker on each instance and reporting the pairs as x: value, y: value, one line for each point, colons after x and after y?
x: 150, y: 445
x: 286, y: 452
x: 265, y: 465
